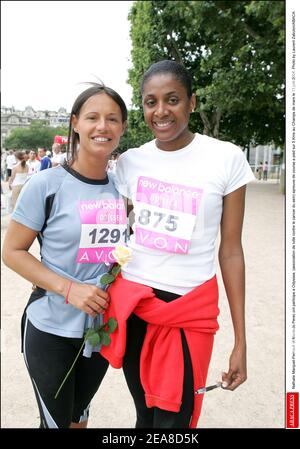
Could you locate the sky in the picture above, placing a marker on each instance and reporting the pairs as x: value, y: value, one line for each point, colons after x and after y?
x: 49, y: 47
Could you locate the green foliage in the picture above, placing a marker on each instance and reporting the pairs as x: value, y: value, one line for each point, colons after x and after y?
x: 35, y: 136
x: 235, y: 53
x: 94, y: 336
x: 138, y: 132
x: 101, y: 334
x: 107, y: 279
x: 116, y: 270
x: 112, y: 325
x: 104, y: 339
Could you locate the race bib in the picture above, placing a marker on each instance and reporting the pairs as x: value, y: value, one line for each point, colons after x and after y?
x: 103, y: 226
x: 165, y: 214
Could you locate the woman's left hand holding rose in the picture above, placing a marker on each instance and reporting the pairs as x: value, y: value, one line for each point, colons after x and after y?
x: 88, y: 298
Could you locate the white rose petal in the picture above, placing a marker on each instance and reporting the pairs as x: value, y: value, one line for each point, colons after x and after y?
x: 122, y: 254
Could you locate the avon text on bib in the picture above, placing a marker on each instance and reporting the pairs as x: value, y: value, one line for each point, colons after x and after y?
x: 103, y: 226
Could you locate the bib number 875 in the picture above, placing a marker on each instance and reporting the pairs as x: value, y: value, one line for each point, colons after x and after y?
x: 158, y: 219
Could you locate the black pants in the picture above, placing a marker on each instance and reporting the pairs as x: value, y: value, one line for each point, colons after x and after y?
x: 48, y: 358
x: 155, y: 417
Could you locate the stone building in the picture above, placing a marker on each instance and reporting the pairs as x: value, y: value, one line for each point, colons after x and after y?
x: 12, y: 118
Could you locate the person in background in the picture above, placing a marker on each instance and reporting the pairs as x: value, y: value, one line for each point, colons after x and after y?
x: 112, y: 164
x: 3, y: 165
x: 67, y: 208
x: 33, y: 163
x: 265, y: 171
x: 58, y: 157
x: 18, y: 177
x: 44, y: 159
x: 11, y: 162
x: 172, y: 273
x: 259, y: 170
x: 26, y: 155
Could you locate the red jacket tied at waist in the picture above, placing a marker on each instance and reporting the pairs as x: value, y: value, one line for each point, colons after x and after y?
x: 161, y: 365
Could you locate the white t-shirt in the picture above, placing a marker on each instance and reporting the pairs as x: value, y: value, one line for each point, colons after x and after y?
x: 33, y: 167
x: 58, y: 158
x: 19, y: 179
x: 11, y: 161
x: 178, y: 200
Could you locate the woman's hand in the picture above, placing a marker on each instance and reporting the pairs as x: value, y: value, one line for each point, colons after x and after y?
x: 88, y: 298
x: 15, y: 253
x: 237, y: 373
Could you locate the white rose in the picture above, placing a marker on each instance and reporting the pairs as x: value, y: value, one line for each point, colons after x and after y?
x: 122, y: 254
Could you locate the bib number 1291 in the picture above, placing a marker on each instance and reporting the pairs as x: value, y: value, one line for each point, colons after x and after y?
x: 104, y: 235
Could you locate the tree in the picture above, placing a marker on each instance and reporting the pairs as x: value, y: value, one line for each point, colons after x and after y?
x: 235, y: 53
x: 37, y: 135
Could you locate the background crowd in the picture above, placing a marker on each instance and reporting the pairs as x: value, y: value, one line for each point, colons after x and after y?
x: 19, y: 165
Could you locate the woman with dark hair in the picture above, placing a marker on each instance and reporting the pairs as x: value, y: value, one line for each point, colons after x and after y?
x: 18, y: 177
x: 183, y: 187
x: 78, y: 217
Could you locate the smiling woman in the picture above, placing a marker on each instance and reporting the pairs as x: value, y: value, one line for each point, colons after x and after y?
x: 167, y: 107
x: 98, y: 120
x: 183, y: 186
x: 69, y: 208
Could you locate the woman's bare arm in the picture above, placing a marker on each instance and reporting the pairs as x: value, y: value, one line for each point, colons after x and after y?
x: 15, y: 255
x: 232, y: 264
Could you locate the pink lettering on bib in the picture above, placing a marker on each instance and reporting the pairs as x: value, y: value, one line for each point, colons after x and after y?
x: 103, y: 226
x: 165, y: 214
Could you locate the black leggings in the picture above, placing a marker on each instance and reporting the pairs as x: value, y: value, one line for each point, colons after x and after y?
x: 48, y: 358
x: 155, y: 417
